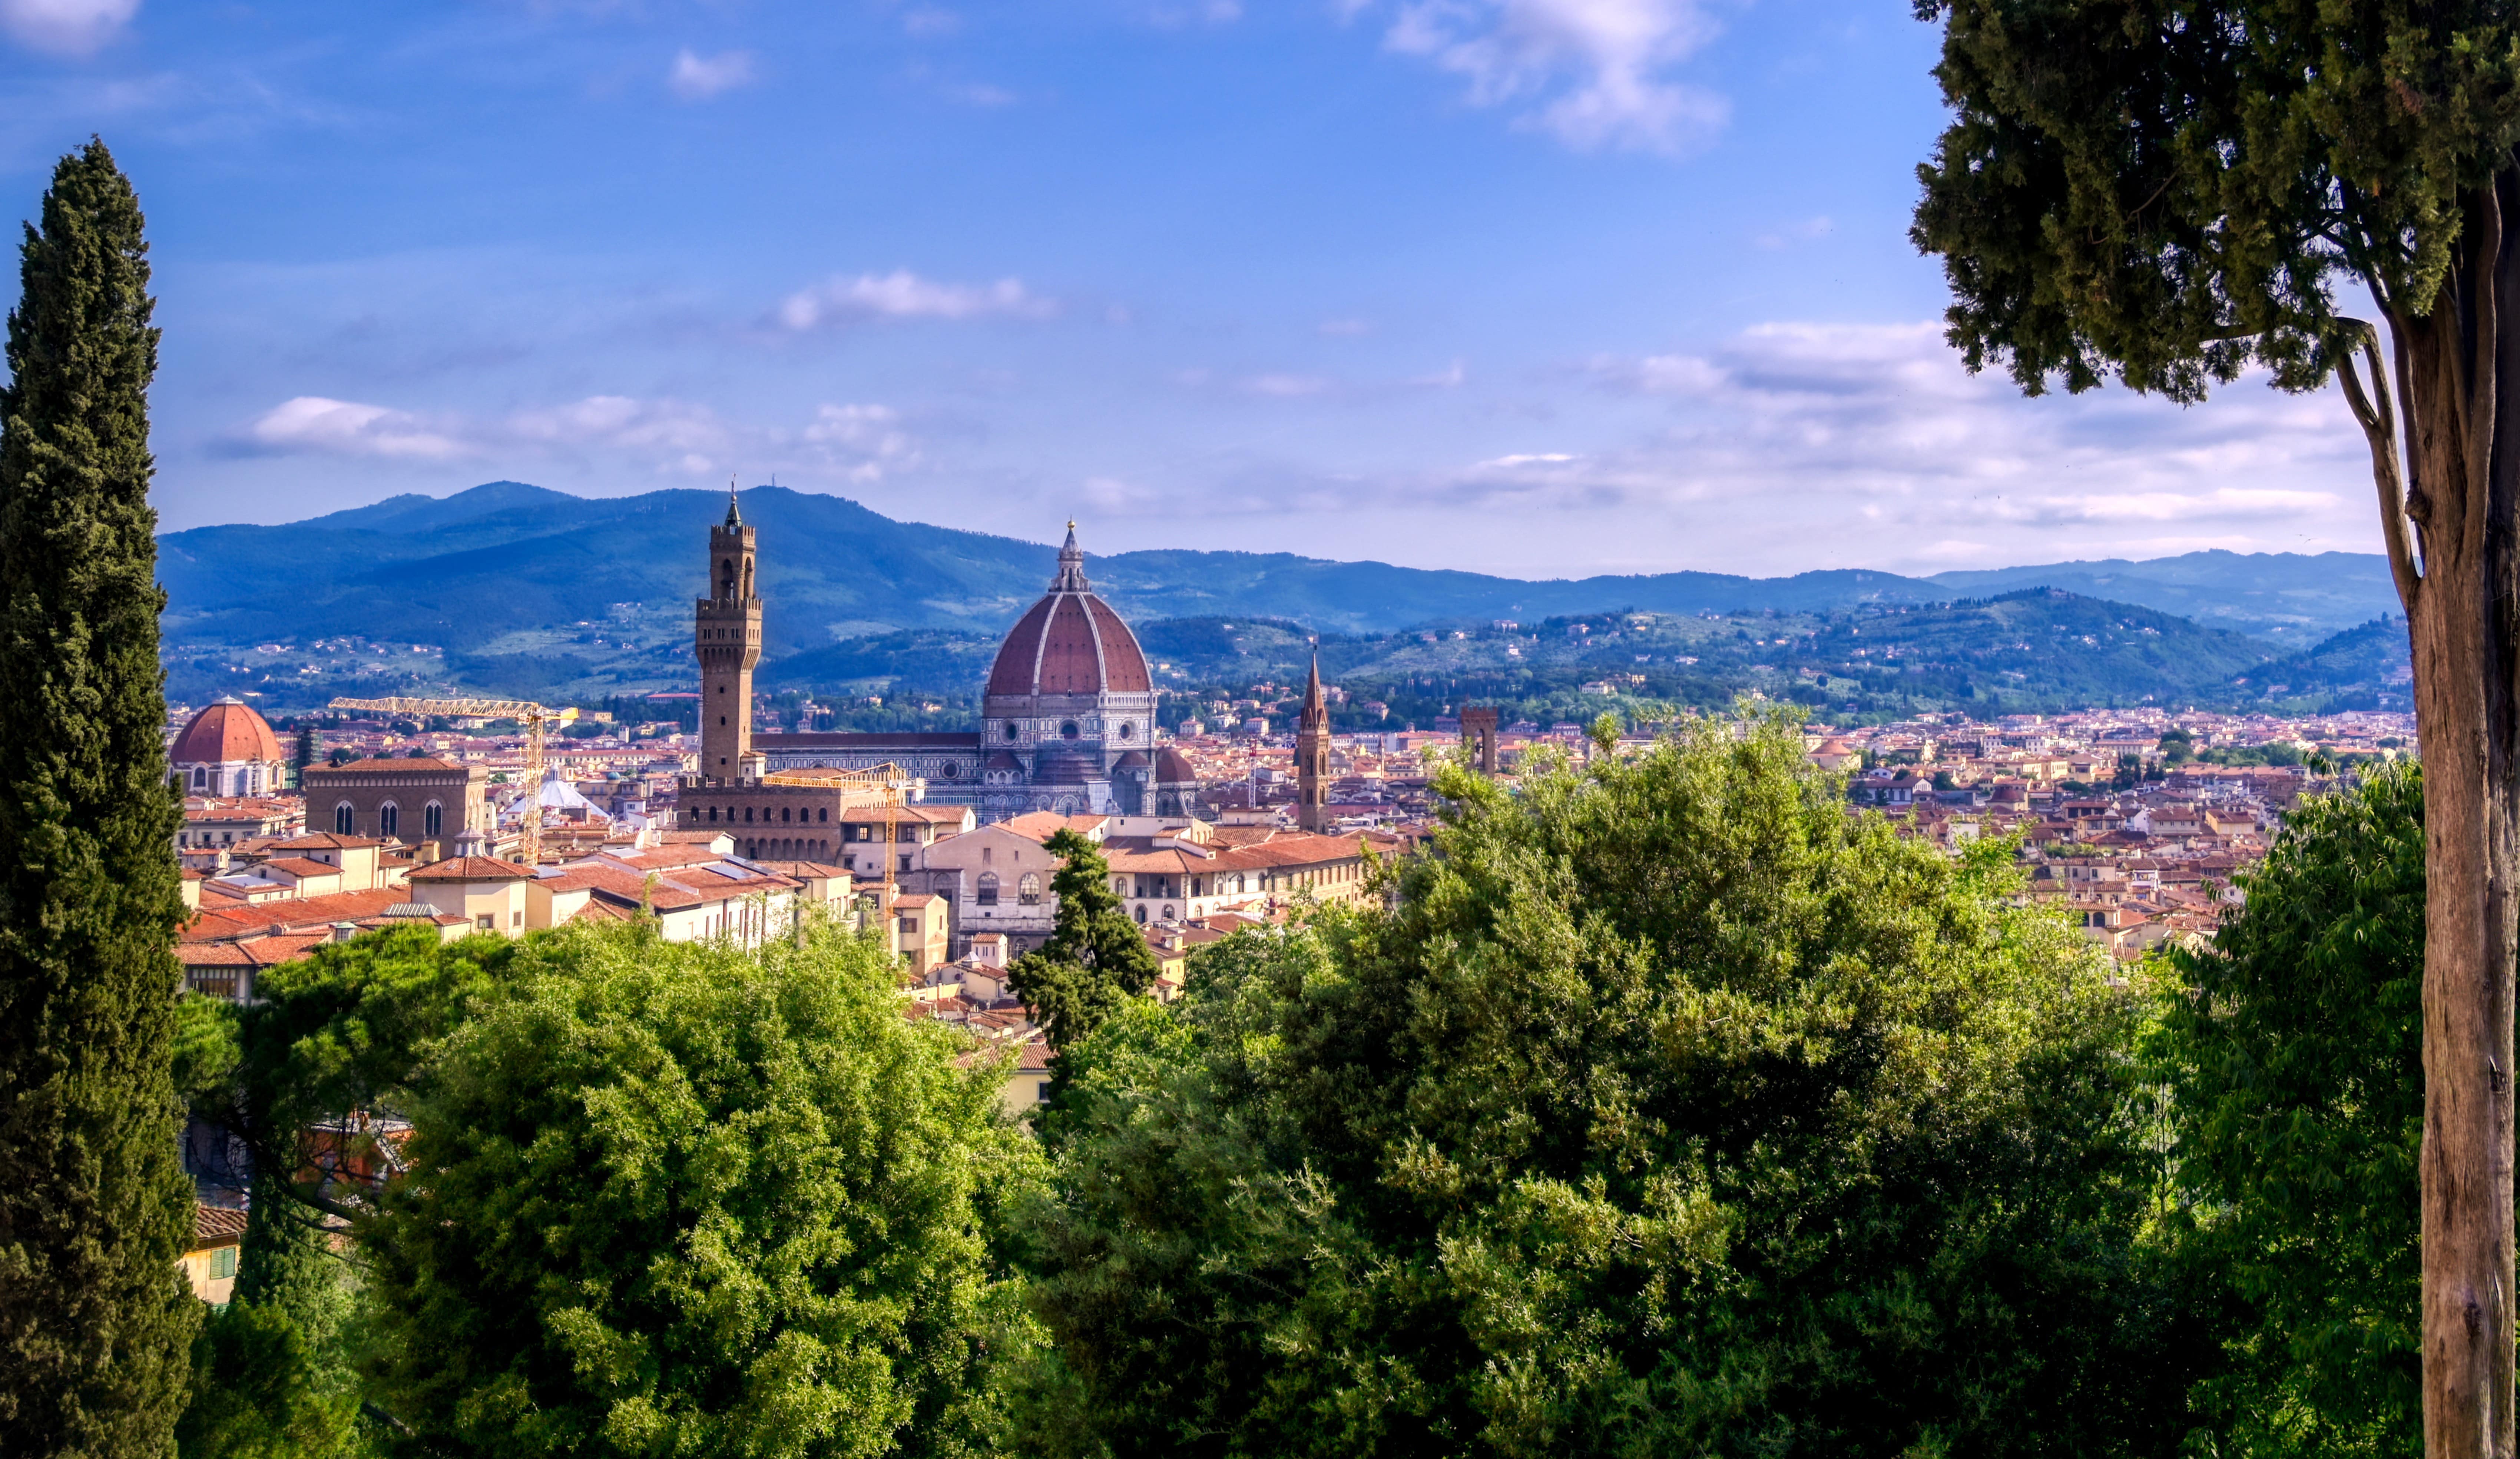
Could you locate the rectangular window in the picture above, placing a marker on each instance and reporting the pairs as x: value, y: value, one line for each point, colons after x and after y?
x: 486, y: 922
x: 223, y: 1263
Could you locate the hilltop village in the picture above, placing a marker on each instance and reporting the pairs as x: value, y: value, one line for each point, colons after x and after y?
x: 2134, y: 820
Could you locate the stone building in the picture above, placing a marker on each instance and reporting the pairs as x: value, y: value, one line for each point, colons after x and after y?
x: 1067, y: 716
x: 228, y: 750
x: 421, y: 802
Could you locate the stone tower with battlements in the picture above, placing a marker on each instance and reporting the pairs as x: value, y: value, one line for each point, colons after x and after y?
x: 727, y: 632
x: 1313, y: 757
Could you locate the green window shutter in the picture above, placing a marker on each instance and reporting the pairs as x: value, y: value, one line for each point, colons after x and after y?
x: 223, y: 1263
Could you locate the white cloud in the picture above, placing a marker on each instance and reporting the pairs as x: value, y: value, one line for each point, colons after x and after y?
x: 69, y: 27
x: 1594, y: 74
x: 859, y: 442
x: 1286, y: 387
x: 1343, y: 329
x: 902, y: 294
x: 1797, y: 445
x: 695, y: 77
x: 863, y: 442
x: 312, y: 423
x: 1883, y: 420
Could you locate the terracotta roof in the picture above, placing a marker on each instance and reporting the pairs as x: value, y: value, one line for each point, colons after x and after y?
x: 301, y: 866
x: 242, y: 919
x: 324, y: 841
x: 1069, y: 643
x: 473, y: 869
x: 1041, y: 825
x: 384, y: 765
x: 216, y: 1226
x: 226, y: 731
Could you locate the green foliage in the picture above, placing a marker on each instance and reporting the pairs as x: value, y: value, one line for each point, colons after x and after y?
x: 95, y: 1322
x: 257, y: 1392
x: 2187, y: 195
x: 271, y: 1375
x: 2294, y: 1054
x: 1095, y: 959
x: 345, y: 1029
x: 681, y: 1199
x: 1671, y: 1112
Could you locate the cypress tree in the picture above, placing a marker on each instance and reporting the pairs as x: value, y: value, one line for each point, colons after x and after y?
x: 95, y: 1320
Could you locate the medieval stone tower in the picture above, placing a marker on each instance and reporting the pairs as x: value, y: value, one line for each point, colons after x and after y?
x: 727, y: 631
x: 1313, y: 757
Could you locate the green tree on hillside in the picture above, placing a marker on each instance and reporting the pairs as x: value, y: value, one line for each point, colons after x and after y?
x: 681, y: 1199
x: 2174, y: 194
x: 95, y: 1323
x: 2293, y: 1049
x: 1095, y: 958
x: 1671, y: 1111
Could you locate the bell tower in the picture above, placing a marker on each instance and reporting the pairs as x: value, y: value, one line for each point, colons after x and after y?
x: 1313, y: 757
x: 727, y: 634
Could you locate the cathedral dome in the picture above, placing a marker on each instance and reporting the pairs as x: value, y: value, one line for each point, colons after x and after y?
x: 1070, y: 643
x: 226, y: 732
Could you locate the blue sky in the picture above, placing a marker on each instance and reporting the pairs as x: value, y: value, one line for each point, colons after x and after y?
x: 1532, y: 286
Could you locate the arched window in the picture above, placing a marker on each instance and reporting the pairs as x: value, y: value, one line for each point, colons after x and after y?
x: 388, y: 819
x: 747, y: 816
x: 1067, y: 731
x: 826, y: 817
x: 988, y: 893
x: 1142, y: 914
x: 1028, y: 890
x: 787, y: 812
x: 432, y: 821
x: 1168, y: 915
x: 342, y: 818
x: 200, y: 777
x: 713, y: 815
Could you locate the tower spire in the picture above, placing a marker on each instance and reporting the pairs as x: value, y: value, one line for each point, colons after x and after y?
x: 734, y: 513
x: 1313, y: 754
x: 1071, y: 566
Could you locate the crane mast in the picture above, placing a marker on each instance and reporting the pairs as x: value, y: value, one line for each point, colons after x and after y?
x: 529, y: 833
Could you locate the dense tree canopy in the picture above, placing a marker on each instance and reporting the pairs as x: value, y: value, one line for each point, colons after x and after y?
x: 683, y: 1199
x: 1670, y: 1112
x: 2293, y: 1049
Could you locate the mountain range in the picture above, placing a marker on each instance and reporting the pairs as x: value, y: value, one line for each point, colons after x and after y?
x: 527, y: 589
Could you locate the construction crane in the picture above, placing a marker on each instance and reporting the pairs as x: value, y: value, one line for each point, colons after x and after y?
x: 529, y: 836
x: 893, y: 787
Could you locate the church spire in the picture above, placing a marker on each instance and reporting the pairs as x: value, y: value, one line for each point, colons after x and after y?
x: 1071, y: 566
x: 1313, y: 756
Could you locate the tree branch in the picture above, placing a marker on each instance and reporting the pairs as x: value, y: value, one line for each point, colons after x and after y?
x: 2378, y: 419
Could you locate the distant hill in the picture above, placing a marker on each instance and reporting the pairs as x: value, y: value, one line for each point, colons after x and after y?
x: 522, y: 590
x: 2286, y: 596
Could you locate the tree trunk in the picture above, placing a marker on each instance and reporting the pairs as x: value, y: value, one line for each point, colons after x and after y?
x: 2452, y: 547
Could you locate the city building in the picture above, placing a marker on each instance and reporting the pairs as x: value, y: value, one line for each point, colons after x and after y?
x: 427, y: 802
x: 228, y: 750
x: 1067, y: 716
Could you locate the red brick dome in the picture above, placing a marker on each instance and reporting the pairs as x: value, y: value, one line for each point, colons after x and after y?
x: 226, y: 731
x: 1070, y: 643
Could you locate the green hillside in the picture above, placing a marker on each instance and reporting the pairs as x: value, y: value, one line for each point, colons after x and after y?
x: 518, y: 590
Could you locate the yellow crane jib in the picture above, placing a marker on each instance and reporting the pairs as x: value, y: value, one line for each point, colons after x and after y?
x: 529, y: 833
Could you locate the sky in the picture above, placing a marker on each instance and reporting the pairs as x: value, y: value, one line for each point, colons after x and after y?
x: 1541, y: 287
